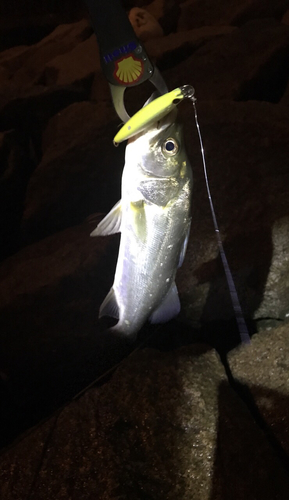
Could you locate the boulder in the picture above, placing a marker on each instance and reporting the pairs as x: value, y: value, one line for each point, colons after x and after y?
x: 250, y: 63
x: 284, y: 102
x: 29, y: 110
x: 246, y: 152
x: 274, y: 306
x: 19, y: 30
x: 11, y: 59
x: 78, y: 65
x: 51, y: 342
x: 26, y: 65
x: 176, y: 47
x: 166, y: 426
x: 198, y: 13
x: 16, y: 166
x: 72, y: 178
x: 167, y: 13
x: 261, y: 373
x: 285, y: 18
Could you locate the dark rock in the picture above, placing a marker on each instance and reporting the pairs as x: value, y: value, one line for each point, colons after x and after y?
x: 129, y: 4
x: 51, y: 343
x: 21, y: 33
x: 174, y: 48
x: 284, y: 102
x: 250, y: 63
x: 262, y: 374
x: 275, y: 304
x: 28, y: 111
x: 79, y: 172
x: 25, y: 102
x: 197, y: 13
x: 166, y: 12
x: 11, y: 59
x: 17, y: 31
x: 26, y: 23
x: 167, y: 426
x: 171, y: 424
x: 15, y: 167
x: 246, y: 151
x: 285, y: 18
x: 80, y: 64
x: 27, y: 66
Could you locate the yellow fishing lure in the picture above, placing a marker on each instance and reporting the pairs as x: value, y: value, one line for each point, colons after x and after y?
x: 153, y: 112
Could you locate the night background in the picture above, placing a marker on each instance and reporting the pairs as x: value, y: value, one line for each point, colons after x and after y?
x: 185, y: 412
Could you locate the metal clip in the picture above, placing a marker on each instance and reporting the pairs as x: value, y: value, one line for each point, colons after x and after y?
x: 188, y: 92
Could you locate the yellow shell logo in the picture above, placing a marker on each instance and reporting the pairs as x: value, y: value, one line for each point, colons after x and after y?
x: 128, y: 70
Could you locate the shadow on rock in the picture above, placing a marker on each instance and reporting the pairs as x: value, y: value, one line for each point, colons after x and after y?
x: 250, y: 258
x: 249, y: 461
x: 166, y: 426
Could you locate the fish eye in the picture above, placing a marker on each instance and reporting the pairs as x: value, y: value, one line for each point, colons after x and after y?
x: 170, y: 147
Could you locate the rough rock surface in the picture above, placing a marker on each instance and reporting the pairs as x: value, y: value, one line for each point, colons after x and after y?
x: 51, y: 343
x: 285, y: 18
x: 26, y: 67
x: 262, y: 373
x: 29, y: 110
x: 239, y: 66
x: 250, y: 198
x: 167, y: 13
x: 170, y: 423
x: 15, y: 170
x: 81, y: 63
x: 167, y: 426
x: 59, y: 193
x: 196, y: 13
x: 177, y: 46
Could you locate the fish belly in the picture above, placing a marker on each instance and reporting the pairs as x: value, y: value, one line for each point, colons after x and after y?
x: 147, y: 263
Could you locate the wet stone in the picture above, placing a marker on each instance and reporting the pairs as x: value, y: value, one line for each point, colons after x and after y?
x: 166, y: 426
x: 262, y: 370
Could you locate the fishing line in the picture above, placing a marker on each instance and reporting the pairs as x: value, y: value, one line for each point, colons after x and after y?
x: 243, y: 330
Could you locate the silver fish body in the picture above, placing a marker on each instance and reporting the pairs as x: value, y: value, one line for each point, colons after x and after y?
x: 153, y: 216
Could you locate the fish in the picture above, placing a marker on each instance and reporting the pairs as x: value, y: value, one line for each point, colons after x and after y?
x: 154, y: 218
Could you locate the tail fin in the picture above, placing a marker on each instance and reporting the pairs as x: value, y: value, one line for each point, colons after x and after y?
x: 122, y: 333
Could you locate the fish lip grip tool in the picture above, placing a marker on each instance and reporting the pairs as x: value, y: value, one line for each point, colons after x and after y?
x: 153, y: 112
x: 124, y: 60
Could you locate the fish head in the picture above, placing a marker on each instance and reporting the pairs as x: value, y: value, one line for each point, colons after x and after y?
x: 159, y: 150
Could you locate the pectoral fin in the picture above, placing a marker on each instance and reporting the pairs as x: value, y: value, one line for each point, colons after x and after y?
x: 111, y: 222
x: 109, y: 307
x: 169, y: 307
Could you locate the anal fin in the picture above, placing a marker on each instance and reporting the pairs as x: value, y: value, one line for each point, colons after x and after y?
x: 169, y: 308
x: 109, y: 307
